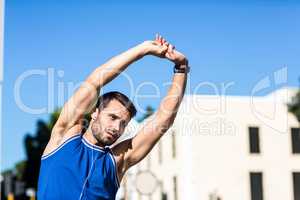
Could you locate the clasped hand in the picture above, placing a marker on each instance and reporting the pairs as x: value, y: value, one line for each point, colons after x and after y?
x: 160, y: 47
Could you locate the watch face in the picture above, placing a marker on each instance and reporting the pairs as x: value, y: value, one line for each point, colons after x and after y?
x: 181, y: 70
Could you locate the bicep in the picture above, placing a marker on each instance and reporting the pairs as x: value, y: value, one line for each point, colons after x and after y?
x: 141, y: 144
x: 76, y: 107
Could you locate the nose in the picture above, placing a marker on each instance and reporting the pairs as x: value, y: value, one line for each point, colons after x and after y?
x: 116, y: 127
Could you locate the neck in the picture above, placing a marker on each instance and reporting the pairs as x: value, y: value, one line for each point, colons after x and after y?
x: 88, y: 135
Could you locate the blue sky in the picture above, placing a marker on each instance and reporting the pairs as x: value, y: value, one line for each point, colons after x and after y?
x: 225, y: 41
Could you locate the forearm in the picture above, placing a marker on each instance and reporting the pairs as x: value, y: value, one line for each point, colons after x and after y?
x: 150, y: 133
x: 112, y: 68
x: 84, y: 98
x: 168, y: 107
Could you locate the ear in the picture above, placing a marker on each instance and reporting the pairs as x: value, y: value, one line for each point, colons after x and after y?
x: 94, y: 115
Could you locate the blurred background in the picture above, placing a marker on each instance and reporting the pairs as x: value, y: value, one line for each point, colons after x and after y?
x: 237, y: 133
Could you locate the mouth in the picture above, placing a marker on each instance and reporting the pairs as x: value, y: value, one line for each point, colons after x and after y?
x: 111, y: 135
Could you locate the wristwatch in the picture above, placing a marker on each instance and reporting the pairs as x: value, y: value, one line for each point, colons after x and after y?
x: 178, y: 69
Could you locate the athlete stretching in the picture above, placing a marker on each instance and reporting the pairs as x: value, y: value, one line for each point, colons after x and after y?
x: 80, y: 165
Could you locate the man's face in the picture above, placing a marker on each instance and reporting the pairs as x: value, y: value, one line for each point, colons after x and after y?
x: 109, y: 123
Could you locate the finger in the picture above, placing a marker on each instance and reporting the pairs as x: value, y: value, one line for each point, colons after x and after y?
x: 156, y: 37
x: 165, y: 41
x: 160, y: 39
x: 165, y: 45
x: 164, y: 49
x: 169, y: 55
x: 171, y: 47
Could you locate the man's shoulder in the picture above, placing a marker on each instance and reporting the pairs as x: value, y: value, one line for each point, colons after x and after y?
x: 121, y: 150
x: 57, y: 139
x: 122, y: 147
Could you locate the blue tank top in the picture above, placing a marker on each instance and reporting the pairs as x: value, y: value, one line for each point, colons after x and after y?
x: 78, y: 170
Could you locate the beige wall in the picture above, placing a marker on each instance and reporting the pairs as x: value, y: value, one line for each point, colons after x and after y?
x: 212, y: 148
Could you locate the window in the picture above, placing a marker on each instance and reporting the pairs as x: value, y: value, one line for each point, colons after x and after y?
x: 164, y: 196
x: 173, y: 145
x: 296, y: 181
x: 256, y: 185
x: 175, y: 187
x: 295, y: 140
x: 254, y: 140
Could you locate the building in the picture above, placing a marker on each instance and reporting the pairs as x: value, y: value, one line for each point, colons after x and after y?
x: 225, y: 147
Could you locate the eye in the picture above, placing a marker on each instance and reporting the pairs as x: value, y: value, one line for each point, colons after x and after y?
x: 112, y: 117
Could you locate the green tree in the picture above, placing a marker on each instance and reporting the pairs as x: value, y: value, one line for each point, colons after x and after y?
x: 149, y: 112
x: 34, y: 146
x: 20, y: 169
x: 294, y: 106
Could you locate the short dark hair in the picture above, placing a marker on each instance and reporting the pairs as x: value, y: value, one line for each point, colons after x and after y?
x: 104, y: 100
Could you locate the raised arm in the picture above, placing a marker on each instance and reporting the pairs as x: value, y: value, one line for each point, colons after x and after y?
x: 85, y: 97
x: 139, y: 146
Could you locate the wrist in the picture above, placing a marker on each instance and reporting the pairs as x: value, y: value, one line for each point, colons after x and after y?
x: 183, y: 64
x: 142, y: 50
x: 181, y: 68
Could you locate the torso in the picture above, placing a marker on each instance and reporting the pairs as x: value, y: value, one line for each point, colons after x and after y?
x: 77, y: 169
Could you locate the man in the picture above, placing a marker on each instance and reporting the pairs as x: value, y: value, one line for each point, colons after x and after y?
x: 78, y: 165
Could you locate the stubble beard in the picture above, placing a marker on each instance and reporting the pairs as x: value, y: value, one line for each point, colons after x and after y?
x: 98, y: 134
